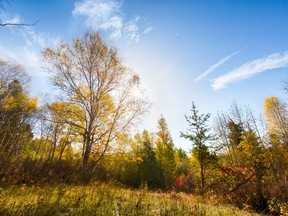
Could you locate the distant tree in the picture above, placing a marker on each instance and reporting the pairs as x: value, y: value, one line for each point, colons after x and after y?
x: 58, y: 134
x: 10, y: 72
x: 165, y: 152
x: 276, y: 155
x: 277, y: 118
x: 149, y: 170
x: 235, y: 137
x: 183, y: 171
x: 99, y: 92
x: 200, y: 136
x: 244, y: 150
x: 17, y: 110
x: 252, y: 153
x: 181, y: 154
x: 231, y: 128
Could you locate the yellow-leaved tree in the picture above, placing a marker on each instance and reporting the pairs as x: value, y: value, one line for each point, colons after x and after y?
x: 277, y: 152
x: 277, y: 119
x: 17, y: 110
x: 98, y: 91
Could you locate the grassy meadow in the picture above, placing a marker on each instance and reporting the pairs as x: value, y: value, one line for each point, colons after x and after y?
x: 105, y: 199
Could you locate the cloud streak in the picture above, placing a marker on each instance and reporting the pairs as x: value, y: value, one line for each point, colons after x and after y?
x: 28, y: 51
x: 100, y: 14
x: 215, y: 66
x: 249, y: 69
x: 107, y: 15
x: 15, y: 19
x: 131, y: 30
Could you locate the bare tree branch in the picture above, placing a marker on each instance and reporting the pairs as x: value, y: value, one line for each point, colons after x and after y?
x: 19, y: 24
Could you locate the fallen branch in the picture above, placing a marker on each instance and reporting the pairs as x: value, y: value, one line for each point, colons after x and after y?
x: 239, y: 185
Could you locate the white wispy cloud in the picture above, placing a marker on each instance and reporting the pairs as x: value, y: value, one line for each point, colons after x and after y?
x: 34, y: 38
x: 132, y: 31
x: 6, y: 19
x: 215, y: 66
x: 31, y: 38
x: 260, y: 65
x: 101, y: 14
x: 27, y: 50
x: 107, y: 15
x: 147, y: 30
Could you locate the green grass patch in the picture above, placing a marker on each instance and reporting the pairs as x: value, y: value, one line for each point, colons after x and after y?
x: 104, y: 199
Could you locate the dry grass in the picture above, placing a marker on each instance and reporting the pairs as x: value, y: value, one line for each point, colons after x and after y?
x: 104, y: 199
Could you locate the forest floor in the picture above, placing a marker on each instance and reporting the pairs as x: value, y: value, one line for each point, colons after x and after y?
x: 105, y: 199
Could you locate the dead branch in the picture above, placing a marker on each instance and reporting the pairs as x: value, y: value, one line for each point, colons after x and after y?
x: 240, y: 184
x: 18, y: 24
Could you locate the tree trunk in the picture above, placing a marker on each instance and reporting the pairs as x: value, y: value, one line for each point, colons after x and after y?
x: 262, y: 201
x: 202, y: 177
x: 85, y: 157
x: 86, y: 151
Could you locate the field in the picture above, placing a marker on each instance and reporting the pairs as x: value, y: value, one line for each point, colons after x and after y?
x: 104, y: 199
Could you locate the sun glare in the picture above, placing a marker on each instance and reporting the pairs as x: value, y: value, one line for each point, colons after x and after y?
x: 136, y: 92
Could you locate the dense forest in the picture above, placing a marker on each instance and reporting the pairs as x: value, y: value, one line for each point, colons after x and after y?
x: 82, y: 133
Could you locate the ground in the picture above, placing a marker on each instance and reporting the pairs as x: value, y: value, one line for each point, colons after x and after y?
x: 105, y: 199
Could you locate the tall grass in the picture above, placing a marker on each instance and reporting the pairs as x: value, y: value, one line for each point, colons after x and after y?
x: 104, y: 199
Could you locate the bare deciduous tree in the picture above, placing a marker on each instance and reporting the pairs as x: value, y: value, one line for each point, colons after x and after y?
x: 16, y: 108
x: 102, y: 96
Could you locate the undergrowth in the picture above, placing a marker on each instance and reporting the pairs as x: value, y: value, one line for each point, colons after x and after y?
x: 104, y: 199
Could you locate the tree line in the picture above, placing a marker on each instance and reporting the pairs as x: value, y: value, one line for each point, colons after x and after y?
x: 84, y: 134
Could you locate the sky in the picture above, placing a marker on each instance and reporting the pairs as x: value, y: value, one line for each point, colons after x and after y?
x: 206, y: 51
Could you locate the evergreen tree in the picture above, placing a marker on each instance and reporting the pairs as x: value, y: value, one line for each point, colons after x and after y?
x: 165, y: 153
x: 235, y: 137
x: 199, y: 134
x: 149, y: 171
x: 16, y: 110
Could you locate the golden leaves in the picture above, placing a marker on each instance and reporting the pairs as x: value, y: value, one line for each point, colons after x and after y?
x: 20, y: 102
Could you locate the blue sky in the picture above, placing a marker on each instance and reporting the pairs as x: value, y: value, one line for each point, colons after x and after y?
x: 206, y: 51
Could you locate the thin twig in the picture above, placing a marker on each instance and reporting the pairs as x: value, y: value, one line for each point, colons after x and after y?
x: 18, y: 24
